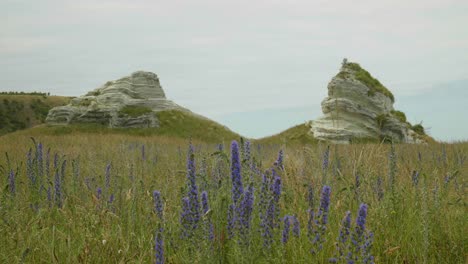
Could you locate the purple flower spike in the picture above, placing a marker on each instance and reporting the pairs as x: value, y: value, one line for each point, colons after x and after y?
x: 158, y: 205
x: 236, y: 177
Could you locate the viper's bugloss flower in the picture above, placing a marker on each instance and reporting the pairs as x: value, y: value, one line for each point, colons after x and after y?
x: 321, y: 220
x: 246, y: 211
x: 231, y: 220
x: 99, y: 193
x: 279, y: 161
x: 326, y: 158
x: 296, y: 228
x: 158, y: 205
x: 358, y: 235
x: 11, y: 182
x: 236, y: 177
x: 343, y: 238
x: 58, y: 189
x: 194, y: 201
x: 205, y: 206
x: 247, y: 154
x: 324, y: 204
x: 39, y: 160
x: 286, y: 228
x: 185, y: 218
x: 159, y: 246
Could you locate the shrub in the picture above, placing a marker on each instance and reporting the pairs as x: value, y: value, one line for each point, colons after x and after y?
x: 419, y: 129
x: 399, y: 115
x: 381, y: 120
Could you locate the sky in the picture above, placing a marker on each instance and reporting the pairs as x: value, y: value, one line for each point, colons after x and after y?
x: 258, y: 67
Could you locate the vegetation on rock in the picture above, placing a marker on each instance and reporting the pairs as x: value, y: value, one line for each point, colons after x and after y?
x: 134, y: 111
x: 366, y: 78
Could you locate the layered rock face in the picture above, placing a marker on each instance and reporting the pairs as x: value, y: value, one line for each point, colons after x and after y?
x: 358, y: 107
x: 127, y: 102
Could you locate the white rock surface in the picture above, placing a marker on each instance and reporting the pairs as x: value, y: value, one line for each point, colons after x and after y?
x: 102, y: 105
x: 351, y: 112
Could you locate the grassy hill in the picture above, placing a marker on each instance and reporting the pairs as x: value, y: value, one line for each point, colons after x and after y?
x: 20, y: 111
x: 173, y: 123
x: 296, y: 135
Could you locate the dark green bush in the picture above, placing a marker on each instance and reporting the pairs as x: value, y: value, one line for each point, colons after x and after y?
x: 418, y: 128
x: 399, y: 115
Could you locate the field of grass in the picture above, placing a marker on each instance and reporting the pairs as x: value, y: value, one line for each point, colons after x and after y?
x: 83, y: 197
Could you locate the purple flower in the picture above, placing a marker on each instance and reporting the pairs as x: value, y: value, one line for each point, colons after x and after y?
x: 205, y: 206
x: 207, y: 221
x: 326, y: 158
x: 247, y: 156
x: 143, y: 156
x: 47, y: 164
x: 159, y: 246
x: 99, y: 193
x: 185, y: 218
x: 296, y: 227
x: 11, y: 181
x: 231, y: 220
x: 358, y: 237
x: 158, y: 205
x: 279, y: 161
x: 286, y: 227
x: 58, y: 190
x: 321, y: 220
x: 267, y: 225
x: 343, y: 238
x: 246, y: 209
x: 236, y: 177
x: 194, y: 202
x: 39, y: 160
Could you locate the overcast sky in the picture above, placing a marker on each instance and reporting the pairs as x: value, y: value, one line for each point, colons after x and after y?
x: 258, y: 67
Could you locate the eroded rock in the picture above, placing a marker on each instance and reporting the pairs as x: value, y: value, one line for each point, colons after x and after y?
x: 127, y: 102
x: 359, y: 107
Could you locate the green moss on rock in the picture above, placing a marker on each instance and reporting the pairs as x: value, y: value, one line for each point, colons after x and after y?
x: 134, y: 111
x: 366, y: 78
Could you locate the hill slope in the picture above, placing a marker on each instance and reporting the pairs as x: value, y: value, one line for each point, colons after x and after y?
x: 20, y: 111
x: 173, y: 123
x: 296, y: 135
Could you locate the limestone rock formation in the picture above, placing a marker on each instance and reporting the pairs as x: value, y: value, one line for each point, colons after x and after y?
x: 359, y: 107
x: 127, y: 102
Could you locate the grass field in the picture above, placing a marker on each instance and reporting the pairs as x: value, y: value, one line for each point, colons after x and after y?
x: 89, y: 198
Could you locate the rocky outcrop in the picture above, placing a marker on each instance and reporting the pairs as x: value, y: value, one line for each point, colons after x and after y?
x: 360, y: 108
x: 127, y: 102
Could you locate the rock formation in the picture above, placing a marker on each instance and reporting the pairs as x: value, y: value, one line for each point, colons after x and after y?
x: 359, y: 107
x: 127, y: 102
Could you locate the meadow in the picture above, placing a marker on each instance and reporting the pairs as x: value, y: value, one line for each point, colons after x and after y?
x: 115, y: 198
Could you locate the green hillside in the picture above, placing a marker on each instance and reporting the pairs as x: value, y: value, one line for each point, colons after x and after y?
x: 21, y: 110
x: 296, y: 135
x: 173, y: 123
